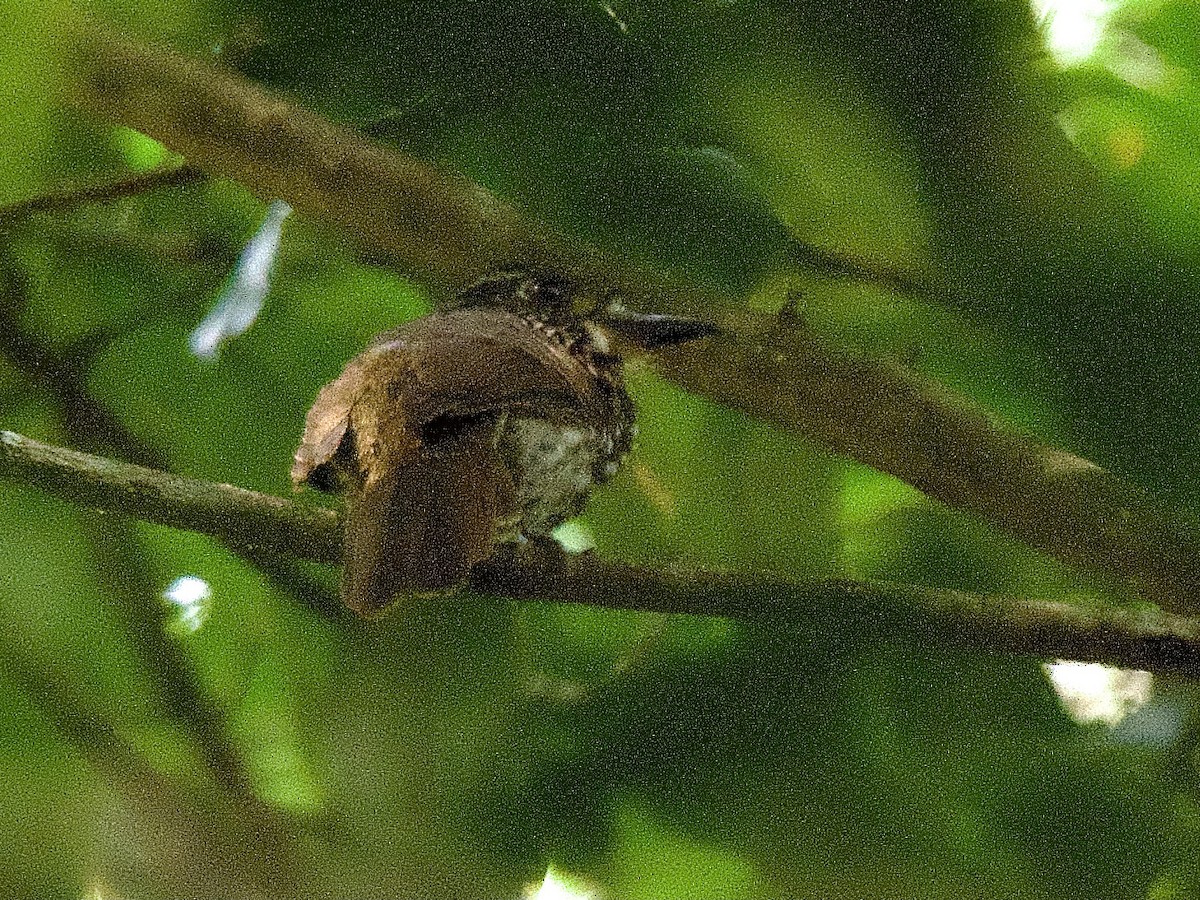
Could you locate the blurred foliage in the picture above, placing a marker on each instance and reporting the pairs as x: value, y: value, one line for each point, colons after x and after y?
x: 458, y: 750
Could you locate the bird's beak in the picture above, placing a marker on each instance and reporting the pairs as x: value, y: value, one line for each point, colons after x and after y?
x: 650, y: 331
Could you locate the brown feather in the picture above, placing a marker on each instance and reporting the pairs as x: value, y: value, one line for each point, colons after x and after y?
x: 419, y: 526
x: 475, y: 359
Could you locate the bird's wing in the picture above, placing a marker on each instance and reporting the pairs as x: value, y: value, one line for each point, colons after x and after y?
x: 477, y: 359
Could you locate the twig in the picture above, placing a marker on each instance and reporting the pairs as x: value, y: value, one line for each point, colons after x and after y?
x: 91, y: 424
x: 172, y: 175
x: 843, y: 264
x: 250, y: 841
x: 450, y: 230
x: 242, y: 518
x: 1148, y: 640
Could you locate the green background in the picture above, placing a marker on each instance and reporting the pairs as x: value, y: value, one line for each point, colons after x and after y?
x: 459, y: 749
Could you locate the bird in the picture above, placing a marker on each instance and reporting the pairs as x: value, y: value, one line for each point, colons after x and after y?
x: 487, y: 422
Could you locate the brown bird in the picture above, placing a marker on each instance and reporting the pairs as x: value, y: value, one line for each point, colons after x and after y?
x: 481, y: 424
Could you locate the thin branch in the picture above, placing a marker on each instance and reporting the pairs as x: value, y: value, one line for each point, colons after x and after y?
x: 834, y: 607
x: 449, y: 230
x: 237, y: 516
x: 944, y: 618
x: 171, y: 175
x: 246, y: 843
x: 843, y: 264
x: 948, y: 447
x: 92, y: 425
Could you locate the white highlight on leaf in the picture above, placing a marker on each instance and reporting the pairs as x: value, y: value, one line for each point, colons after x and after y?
x: 1073, y: 28
x: 239, y: 303
x: 1138, y: 64
x: 610, y: 10
x: 189, y: 594
x: 1093, y: 692
x: 556, y: 887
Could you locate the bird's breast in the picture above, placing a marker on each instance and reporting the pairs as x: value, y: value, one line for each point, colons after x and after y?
x: 554, y: 468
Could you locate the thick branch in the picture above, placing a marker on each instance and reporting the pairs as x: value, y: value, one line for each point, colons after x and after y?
x: 1147, y: 640
x: 444, y: 227
x: 450, y: 230
x: 948, y: 447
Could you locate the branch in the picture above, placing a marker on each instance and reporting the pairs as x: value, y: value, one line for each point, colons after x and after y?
x: 63, y: 372
x: 1144, y: 640
x: 237, y: 516
x: 122, y: 563
x: 123, y: 186
x: 444, y: 227
x: 450, y: 231
x: 843, y: 264
x: 948, y: 447
x: 91, y: 424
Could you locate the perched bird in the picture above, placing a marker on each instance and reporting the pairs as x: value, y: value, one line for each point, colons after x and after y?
x: 479, y: 424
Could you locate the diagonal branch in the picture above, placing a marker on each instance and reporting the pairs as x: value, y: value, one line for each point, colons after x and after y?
x: 944, y: 618
x: 449, y: 231
x: 171, y: 175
